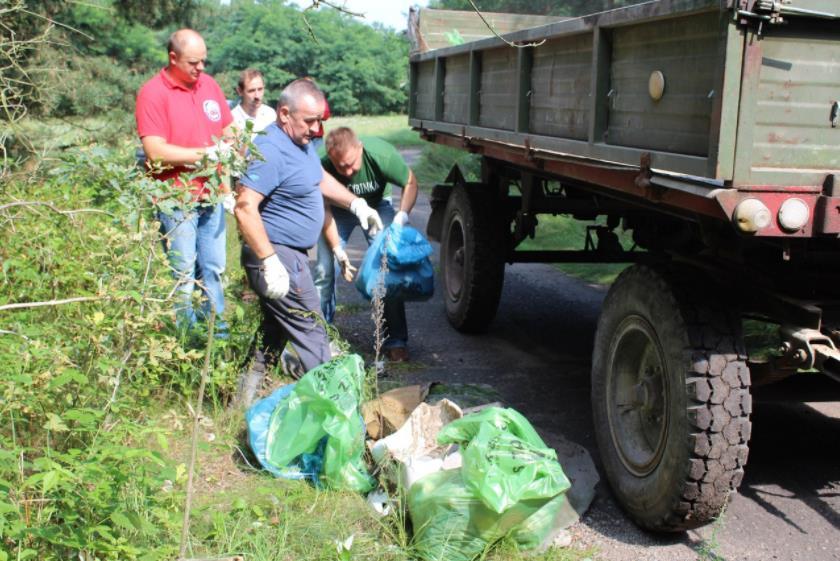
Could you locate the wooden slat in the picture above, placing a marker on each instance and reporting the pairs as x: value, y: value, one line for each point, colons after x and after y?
x: 560, y: 87
x: 456, y: 89
x: 685, y: 51
x: 498, y: 89
x: 425, y: 97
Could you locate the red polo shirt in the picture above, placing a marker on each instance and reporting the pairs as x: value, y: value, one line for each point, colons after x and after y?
x: 188, y: 117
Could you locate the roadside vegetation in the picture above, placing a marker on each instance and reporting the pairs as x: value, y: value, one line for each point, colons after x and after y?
x: 97, y: 386
x: 97, y: 392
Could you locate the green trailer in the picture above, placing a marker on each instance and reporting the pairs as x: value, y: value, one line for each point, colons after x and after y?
x: 709, y: 130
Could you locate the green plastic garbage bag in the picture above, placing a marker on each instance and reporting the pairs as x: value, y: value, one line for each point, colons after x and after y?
x: 510, y: 484
x: 325, y: 404
x: 505, y: 460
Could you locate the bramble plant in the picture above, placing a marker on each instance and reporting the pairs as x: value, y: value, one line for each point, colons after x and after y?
x: 87, y: 345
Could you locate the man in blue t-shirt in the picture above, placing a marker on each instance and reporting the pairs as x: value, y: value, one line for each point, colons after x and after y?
x: 281, y: 212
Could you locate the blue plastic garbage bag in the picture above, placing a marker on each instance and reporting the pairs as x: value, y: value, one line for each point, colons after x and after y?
x: 410, y: 274
x: 305, y: 466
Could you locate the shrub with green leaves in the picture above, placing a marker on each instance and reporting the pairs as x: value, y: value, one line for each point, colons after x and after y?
x: 87, y: 350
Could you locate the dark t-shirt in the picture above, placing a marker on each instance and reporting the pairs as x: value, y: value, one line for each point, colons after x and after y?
x: 290, y: 180
x: 381, y: 164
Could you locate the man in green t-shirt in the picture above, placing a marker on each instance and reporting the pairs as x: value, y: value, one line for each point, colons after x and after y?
x: 366, y: 166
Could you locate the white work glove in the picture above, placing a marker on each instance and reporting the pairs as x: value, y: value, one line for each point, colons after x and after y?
x: 347, y: 269
x: 229, y: 202
x: 368, y: 218
x: 217, y: 152
x: 401, y: 218
x: 276, y: 277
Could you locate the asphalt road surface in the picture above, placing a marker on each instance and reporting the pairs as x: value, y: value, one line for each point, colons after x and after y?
x: 536, y: 354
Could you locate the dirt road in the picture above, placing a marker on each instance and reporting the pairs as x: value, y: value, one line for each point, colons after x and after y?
x: 537, y: 356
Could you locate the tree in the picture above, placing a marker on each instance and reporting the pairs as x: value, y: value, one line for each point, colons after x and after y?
x: 361, y: 68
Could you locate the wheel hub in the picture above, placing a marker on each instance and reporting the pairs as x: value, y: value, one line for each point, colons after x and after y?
x: 637, y: 393
x: 455, y: 258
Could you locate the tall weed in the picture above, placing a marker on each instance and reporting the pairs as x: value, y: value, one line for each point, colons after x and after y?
x: 87, y: 345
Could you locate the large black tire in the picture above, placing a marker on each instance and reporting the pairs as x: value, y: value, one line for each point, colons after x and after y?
x: 472, y: 253
x: 670, y: 397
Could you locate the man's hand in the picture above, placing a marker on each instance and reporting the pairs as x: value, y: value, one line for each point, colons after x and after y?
x: 276, y: 277
x: 401, y: 218
x: 368, y: 218
x: 347, y: 270
x: 229, y: 202
x: 217, y: 152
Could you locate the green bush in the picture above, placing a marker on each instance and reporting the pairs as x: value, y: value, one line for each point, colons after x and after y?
x: 84, y: 470
x: 86, y: 85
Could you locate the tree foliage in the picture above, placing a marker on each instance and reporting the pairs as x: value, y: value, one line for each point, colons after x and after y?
x: 361, y: 68
x: 535, y: 7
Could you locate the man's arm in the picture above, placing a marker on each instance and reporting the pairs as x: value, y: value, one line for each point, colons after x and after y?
x: 247, y: 212
x: 339, y: 195
x: 157, y: 149
x: 330, y: 229
x: 409, y: 193
x: 335, y: 192
x: 330, y: 232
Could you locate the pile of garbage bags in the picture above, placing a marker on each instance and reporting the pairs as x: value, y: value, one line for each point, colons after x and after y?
x: 469, y: 480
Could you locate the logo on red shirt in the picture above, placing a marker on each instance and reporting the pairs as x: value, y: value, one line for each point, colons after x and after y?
x: 212, y: 110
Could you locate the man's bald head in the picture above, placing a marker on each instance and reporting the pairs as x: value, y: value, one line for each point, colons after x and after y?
x: 183, y: 39
x: 300, y: 110
x: 187, y: 56
x: 293, y: 94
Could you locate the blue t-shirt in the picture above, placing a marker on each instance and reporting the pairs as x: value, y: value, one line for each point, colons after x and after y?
x: 289, y: 178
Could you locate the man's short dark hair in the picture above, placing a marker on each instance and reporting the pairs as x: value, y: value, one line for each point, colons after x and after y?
x: 340, y: 140
x: 247, y: 75
x: 293, y: 92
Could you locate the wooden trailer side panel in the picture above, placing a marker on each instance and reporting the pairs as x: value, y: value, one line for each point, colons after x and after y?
x: 685, y: 51
x: 561, y: 84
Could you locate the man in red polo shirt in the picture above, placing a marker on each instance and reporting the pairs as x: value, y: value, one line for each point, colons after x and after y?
x: 181, y: 113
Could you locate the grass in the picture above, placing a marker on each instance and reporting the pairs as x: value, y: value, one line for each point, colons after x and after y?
x: 392, y: 128
x: 565, y: 233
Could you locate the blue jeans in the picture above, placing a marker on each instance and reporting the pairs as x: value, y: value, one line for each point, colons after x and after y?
x: 195, y: 245
x: 396, y: 329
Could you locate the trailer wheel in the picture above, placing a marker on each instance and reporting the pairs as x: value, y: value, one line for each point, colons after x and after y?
x: 472, y: 258
x: 670, y: 397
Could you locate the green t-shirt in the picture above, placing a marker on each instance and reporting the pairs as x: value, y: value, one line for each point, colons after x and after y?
x: 381, y: 165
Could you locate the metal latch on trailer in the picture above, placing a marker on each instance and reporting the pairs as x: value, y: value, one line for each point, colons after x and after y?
x: 810, y: 348
x: 775, y: 12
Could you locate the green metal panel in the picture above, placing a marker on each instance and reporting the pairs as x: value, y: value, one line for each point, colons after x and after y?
x: 573, y: 149
x: 599, y: 85
x: 561, y: 86
x: 499, y: 87
x: 728, y: 92
x: 425, y: 96
x: 685, y: 50
x: 412, y: 90
x: 440, y: 73
x: 524, y: 60
x: 456, y: 89
x: 474, y: 87
x: 793, y: 142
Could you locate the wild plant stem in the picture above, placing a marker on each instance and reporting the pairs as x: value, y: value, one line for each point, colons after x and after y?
x: 185, y: 530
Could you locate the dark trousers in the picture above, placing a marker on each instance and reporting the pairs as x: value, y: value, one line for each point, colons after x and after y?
x: 296, y: 318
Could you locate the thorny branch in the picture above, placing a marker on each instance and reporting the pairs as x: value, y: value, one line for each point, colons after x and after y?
x: 54, y: 208
x: 496, y: 33
x: 317, y: 4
